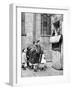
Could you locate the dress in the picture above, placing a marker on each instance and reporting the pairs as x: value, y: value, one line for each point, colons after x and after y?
x: 43, y: 59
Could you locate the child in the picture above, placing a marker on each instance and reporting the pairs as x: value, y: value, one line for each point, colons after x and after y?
x: 43, y: 66
x: 24, y: 59
x: 43, y: 61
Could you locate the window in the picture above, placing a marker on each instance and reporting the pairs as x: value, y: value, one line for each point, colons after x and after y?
x: 45, y: 24
x: 23, y: 24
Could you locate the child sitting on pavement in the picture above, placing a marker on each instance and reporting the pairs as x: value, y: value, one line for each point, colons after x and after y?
x: 24, y: 59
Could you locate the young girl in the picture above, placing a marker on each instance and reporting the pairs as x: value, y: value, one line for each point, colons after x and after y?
x: 43, y: 61
x: 24, y: 59
x: 43, y: 65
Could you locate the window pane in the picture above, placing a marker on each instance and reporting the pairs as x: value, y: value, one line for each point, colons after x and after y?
x: 22, y: 23
x: 45, y: 24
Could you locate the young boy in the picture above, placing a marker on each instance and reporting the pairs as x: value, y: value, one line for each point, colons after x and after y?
x: 24, y: 59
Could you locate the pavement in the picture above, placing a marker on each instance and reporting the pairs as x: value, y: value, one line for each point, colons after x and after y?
x: 48, y: 72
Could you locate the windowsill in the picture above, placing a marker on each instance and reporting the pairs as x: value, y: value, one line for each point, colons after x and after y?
x: 45, y: 35
x: 56, y: 49
x: 23, y: 35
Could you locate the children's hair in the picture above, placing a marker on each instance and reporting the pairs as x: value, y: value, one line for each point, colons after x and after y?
x: 23, y: 50
x: 28, y: 48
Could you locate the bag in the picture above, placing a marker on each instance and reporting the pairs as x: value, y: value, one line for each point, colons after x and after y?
x: 55, y: 39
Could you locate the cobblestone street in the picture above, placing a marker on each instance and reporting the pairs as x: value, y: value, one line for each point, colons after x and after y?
x: 49, y: 72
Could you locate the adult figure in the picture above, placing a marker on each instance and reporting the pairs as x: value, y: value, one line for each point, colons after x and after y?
x: 39, y: 51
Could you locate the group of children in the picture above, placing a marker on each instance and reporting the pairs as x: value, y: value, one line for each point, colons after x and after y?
x: 35, y: 66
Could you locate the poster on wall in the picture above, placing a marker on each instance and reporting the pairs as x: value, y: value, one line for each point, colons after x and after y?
x: 37, y: 40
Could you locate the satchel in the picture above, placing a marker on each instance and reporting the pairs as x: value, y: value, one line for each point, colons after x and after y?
x: 55, y: 39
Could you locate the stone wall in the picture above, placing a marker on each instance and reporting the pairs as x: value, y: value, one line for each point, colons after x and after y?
x: 26, y: 40
x: 44, y: 41
x: 33, y: 31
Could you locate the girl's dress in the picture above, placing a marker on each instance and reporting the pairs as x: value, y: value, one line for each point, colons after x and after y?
x: 43, y: 59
